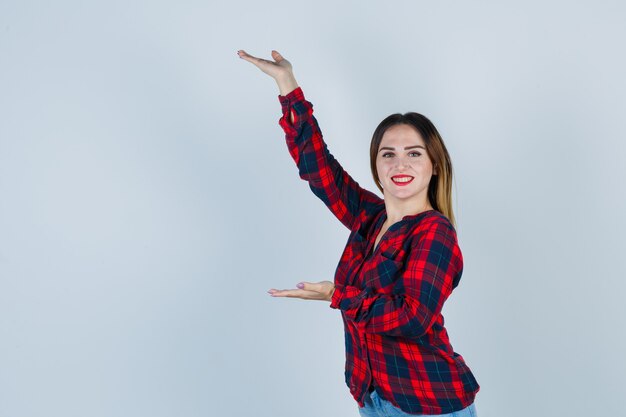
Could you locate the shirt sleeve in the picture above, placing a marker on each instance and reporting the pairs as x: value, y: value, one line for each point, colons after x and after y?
x: 433, y: 268
x: 343, y: 196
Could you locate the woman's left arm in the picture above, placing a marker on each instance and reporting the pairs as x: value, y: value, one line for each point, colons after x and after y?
x: 433, y: 268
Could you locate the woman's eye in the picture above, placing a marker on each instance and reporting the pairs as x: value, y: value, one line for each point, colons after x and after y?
x: 388, y: 154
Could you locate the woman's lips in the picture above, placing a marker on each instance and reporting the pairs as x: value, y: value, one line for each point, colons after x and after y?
x: 403, y: 183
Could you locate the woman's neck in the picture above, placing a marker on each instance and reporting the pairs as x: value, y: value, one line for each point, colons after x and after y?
x: 396, y: 211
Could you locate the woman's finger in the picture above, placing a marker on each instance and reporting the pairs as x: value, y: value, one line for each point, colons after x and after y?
x: 291, y: 293
x: 305, y: 294
x: 255, y: 60
x: 244, y: 55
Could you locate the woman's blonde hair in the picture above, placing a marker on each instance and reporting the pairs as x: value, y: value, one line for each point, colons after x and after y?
x: 440, y: 186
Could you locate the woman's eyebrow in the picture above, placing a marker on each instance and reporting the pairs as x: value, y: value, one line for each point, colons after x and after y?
x: 408, y: 147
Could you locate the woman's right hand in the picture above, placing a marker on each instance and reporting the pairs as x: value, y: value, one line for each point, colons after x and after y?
x: 280, y: 70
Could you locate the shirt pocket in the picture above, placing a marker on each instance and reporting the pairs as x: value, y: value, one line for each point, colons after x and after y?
x: 384, y: 271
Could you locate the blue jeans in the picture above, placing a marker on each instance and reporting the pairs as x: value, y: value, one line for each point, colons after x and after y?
x: 375, y: 406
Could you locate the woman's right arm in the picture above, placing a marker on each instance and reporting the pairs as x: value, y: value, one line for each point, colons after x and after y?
x: 327, y: 179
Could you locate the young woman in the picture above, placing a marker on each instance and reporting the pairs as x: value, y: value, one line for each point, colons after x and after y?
x: 400, y: 264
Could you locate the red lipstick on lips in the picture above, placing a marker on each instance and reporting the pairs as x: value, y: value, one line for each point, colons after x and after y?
x: 402, y: 176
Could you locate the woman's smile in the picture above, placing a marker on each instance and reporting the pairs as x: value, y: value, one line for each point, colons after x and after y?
x: 401, y: 180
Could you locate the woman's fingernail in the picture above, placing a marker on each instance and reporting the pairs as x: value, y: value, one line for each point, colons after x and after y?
x: 300, y: 285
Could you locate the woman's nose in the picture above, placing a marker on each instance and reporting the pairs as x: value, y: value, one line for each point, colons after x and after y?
x: 403, y: 162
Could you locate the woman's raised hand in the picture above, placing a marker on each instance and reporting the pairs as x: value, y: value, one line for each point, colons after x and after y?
x: 308, y: 291
x: 280, y: 70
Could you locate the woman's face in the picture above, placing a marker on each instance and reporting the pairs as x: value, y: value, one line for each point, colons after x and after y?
x: 402, y: 155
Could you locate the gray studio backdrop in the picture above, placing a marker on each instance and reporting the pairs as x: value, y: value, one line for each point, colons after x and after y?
x: 148, y: 201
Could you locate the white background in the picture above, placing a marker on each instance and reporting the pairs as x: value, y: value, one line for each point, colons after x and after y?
x: 148, y: 201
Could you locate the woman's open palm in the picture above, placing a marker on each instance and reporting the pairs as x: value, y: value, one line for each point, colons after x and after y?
x: 279, y: 68
x: 322, y: 290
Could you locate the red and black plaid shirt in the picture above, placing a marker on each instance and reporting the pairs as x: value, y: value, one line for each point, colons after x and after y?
x: 390, y: 296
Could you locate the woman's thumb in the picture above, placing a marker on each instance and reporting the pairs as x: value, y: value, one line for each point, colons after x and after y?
x: 277, y: 56
x: 307, y: 286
